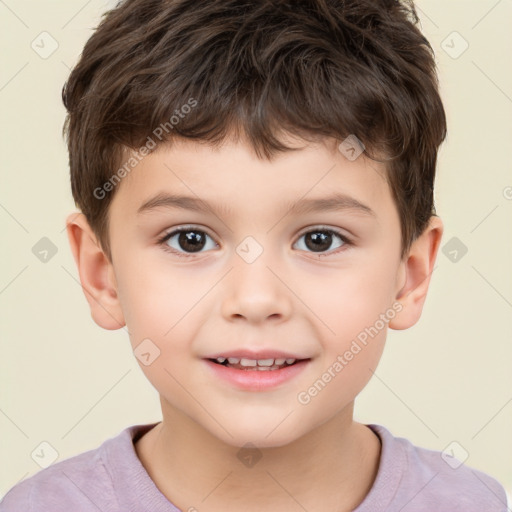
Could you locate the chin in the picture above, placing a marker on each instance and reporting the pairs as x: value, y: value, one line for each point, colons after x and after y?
x: 261, y: 435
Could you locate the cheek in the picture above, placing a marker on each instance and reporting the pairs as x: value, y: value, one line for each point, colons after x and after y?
x: 353, y: 299
x: 355, y: 310
x: 161, y: 311
x: 155, y: 301
x: 343, y: 377
x: 358, y: 316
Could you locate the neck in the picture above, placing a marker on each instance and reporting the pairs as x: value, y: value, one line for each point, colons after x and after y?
x: 331, y: 468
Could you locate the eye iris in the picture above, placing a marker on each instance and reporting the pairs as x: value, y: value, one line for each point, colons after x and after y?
x: 191, y: 241
x: 194, y: 241
x: 321, y: 240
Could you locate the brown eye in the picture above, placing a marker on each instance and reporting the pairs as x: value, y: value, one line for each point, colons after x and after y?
x: 321, y: 240
x: 186, y: 241
x: 191, y: 241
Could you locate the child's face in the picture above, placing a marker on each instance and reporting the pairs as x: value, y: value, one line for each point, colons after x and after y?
x: 305, y: 296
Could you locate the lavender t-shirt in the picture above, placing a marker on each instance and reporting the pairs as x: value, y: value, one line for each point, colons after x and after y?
x: 111, y: 478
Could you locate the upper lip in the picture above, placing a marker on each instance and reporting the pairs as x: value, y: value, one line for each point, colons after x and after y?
x: 260, y: 354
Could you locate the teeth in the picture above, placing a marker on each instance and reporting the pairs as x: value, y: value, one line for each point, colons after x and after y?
x: 247, y: 362
x: 260, y: 364
x: 266, y: 362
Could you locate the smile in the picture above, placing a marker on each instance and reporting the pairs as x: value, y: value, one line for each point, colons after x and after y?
x: 255, y: 374
x: 242, y: 363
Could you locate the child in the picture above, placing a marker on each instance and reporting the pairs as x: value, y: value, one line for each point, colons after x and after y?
x: 255, y: 182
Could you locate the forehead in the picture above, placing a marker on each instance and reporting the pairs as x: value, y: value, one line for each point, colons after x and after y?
x: 231, y: 178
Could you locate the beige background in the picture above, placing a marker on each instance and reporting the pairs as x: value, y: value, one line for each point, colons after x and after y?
x: 67, y: 382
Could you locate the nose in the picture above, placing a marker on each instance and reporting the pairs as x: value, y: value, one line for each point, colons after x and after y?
x: 255, y: 292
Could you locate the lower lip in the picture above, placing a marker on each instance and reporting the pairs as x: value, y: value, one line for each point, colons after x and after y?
x: 257, y: 380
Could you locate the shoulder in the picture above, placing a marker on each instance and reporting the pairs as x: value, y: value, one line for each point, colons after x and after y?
x: 432, y: 479
x: 82, y: 482
x: 64, y: 484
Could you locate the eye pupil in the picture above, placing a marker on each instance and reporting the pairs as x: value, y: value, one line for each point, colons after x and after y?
x: 321, y: 240
x: 191, y: 241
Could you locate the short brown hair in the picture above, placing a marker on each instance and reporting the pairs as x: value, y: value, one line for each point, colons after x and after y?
x: 313, y: 68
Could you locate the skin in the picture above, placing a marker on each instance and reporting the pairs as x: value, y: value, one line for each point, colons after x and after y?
x: 314, y: 455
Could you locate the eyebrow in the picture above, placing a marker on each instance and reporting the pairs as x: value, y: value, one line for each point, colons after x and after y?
x: 335, y: 202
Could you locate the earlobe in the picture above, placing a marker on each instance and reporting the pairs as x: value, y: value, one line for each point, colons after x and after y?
x: 417, y: 266
x: 96, y: 273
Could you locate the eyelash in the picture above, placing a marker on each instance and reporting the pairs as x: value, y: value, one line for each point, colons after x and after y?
x: 162, y: 241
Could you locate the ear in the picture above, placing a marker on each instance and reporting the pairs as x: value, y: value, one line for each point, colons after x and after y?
x: 96, y: 273
x: 416, y: 269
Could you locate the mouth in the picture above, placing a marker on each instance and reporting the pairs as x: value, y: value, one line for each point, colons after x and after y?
x: 260, y: 365
x: 256, y: 371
